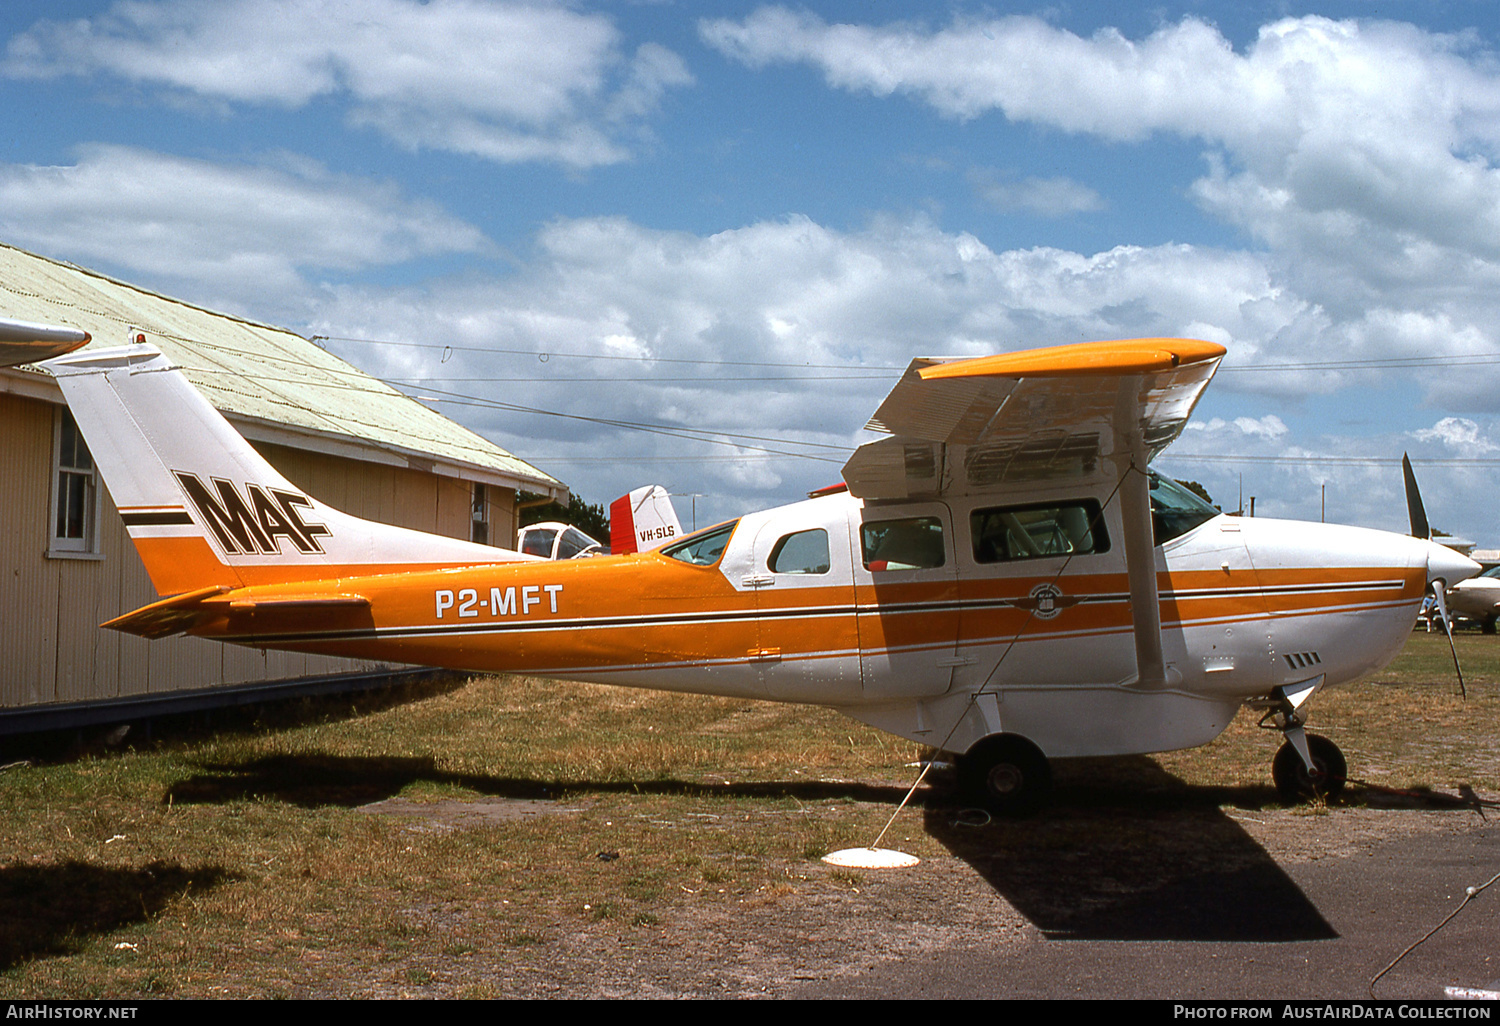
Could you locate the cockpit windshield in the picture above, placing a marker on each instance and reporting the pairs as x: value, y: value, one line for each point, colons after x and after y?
x: 1174, y: 510
x: 703, y: 548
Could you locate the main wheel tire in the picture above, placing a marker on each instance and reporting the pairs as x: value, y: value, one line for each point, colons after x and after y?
x: 1294, y: 784
x: 1488, y: 627
x: 1005, y: 774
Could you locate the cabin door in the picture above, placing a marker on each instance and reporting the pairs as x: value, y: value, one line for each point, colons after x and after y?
x: 906, y: 589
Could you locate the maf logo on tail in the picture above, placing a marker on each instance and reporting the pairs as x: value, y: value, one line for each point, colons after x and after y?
x: 253, y: 523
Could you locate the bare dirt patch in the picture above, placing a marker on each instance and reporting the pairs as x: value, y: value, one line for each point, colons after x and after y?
x: 464, y: 815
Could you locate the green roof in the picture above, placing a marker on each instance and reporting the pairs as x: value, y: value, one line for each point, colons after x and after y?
x: 275, y: 385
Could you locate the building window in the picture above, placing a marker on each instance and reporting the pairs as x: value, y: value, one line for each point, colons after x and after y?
x: 75, y: 491
x: 479, y: 529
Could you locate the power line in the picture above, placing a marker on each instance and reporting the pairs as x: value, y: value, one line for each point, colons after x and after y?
x: 1349, y: 461
x: 545, y: 355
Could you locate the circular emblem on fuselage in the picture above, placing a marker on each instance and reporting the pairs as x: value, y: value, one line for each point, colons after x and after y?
x: 1046, y: 597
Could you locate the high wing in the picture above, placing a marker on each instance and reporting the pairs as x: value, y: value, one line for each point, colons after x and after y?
x: 25, y: 342
x: 996, y: 423
x: 967, y: 427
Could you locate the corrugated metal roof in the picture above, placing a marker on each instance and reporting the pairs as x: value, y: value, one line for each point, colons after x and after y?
x: 276, y: 385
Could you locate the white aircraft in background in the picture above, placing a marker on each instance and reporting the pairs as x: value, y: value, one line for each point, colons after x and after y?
x: 638, y: 522
x: 1004, y: 578
x: 552, y: 540
x: 1478, y: 599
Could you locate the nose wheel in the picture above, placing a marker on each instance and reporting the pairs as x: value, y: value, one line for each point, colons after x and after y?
x: 1295, y: 782
x: 1307, y: 765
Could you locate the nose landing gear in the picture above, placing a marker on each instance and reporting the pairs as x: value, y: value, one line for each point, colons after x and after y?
x: 1307, y: 766
x: 1296, y: 781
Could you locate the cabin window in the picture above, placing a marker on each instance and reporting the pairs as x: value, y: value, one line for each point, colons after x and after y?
x: 75, y: 491
x: 913, y: 544
x: 1037, y: 530
x: 703, y: 548
x: 805, y: 552
x: 539, y: 542
x: 1174, y: 510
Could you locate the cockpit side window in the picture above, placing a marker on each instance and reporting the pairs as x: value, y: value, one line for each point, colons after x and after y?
x: 805, y: 552
x: 703, y: 548
x: 1174, y: 510
x: 539, y: 543
x: 573, y: 542
x: 1037, y: 530
x: 913, y: 544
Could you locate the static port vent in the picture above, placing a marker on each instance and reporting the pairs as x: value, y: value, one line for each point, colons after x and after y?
x: 1301, y: 660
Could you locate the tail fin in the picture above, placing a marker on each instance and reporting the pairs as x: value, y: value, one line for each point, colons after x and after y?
x: 642, y: 521
x: 206, y: 510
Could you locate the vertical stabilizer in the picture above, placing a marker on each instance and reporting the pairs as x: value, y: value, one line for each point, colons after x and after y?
x: 642, y: 521
x: 202, y: 506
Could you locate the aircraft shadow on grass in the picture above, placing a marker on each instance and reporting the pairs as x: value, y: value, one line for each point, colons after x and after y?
x: 312, y: 781
x: 48, y: 910
x: 1126, y: 851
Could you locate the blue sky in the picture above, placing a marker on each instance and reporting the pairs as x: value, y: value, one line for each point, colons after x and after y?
x: 744, y: 218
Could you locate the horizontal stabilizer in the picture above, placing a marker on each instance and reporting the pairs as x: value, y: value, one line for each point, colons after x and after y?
x: 26, y: 342
x: 175, y: 615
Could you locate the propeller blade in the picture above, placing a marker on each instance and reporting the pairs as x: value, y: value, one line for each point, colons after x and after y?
x: 1414, y: 508
x: 1441, y: 595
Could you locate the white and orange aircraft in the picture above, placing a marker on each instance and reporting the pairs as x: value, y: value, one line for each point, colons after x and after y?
x: 1003, y: 579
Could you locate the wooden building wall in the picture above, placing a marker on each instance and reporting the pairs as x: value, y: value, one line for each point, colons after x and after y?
x: 51, y: 647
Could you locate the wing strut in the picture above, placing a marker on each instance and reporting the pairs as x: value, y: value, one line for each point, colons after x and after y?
x: 1131, y: 458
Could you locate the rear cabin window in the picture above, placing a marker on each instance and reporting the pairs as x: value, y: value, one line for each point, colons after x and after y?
x: 914, y: 544
x: 703, y: 548
x: 805, y: 552
x: 1008, y: 533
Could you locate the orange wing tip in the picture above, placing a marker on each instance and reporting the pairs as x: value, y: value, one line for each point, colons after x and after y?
x: 1130, y: 356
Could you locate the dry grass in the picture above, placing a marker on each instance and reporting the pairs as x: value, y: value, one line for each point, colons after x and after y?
x: 238, y: 863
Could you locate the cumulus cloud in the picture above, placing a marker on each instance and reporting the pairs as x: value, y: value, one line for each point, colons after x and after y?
x: 237, y: 235
x: 1360, y: 154
x: 505, y: 81
x: 787, y: 330
x: 1458, y: 434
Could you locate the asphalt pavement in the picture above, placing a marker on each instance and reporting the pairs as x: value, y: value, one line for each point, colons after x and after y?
x: 1237, y: 928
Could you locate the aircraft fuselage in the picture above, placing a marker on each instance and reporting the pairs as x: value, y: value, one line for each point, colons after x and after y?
x: 800, y: 608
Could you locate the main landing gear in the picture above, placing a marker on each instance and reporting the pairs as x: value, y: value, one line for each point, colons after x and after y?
x: 1307, y: 766
x: 1005, y: 774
